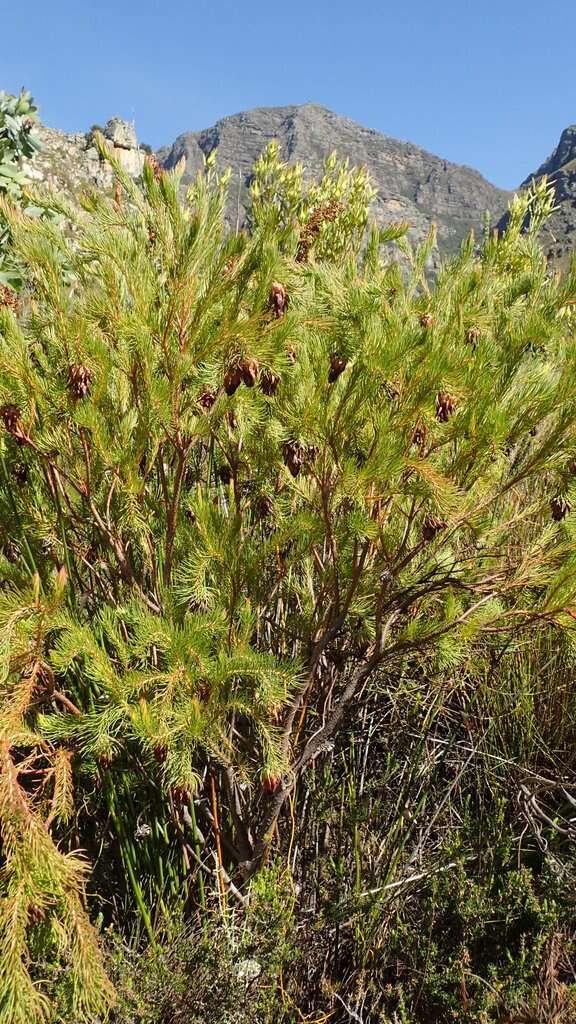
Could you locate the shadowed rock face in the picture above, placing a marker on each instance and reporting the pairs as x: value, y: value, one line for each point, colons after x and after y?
x: 559, y: 235
x: 412, y: 184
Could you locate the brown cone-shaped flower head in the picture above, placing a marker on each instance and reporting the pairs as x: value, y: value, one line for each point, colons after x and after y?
x: 12, y: 420
x: 432, y: 526
x: 155, y: 166
x: 11, y: 551
x: 207, y: 399
x: 278, y: 299
x: 249, y: 369
x: 232, y: 380
x: 36, y: 914
x: 293, y: 456
x: 445, y: 406
x: 79, y: 380
x: 419, y: 436
x: 9, y: 298
x: 391, y: 389
x: 180, y: 795
x: 203, y: 690
x: 559, y: 508
x: 426, y: 320
x: 269, y: 382
x: 337, y: 366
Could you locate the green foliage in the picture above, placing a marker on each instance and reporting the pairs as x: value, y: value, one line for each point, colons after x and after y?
x: 248, y: 479
x: 41, y: 888
x: 18, y: 141
x: 329, y: 216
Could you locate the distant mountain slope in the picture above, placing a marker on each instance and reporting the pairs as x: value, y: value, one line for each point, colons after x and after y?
x: 413, y: 185
x: 559, y: 235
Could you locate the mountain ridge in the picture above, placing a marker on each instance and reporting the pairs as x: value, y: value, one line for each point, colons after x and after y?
x: 413, y: 184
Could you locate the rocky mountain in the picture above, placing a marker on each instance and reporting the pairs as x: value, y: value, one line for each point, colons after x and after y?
x: 559, y: 236
x: 413, y: 185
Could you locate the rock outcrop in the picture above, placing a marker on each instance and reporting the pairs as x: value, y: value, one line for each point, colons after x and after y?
x: 412, y: 184
x: 69, y: 162
x: 122, y: 135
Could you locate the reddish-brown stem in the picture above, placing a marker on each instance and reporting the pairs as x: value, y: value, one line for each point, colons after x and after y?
x: 173, y: 516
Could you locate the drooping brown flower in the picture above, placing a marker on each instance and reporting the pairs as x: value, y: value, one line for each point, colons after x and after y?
x: 10, y: 550
x: 419, y: 435
x: 154, y: 164
x: 270, y: 783
x: 445, y: 406
x: 264, y: 506
x: 278, y: 299
x: 232, y: 380
x: 180, y: 795
x: 311, y: 229
x: 337, y: 366
x: 20, y: 473
x: 432, y: 526
x: 559, y: 508
x: 473, y: 336
x: 269, y: 382
x: 207, y: 399
x: 391, y: 389
x: 294, y: 455
x: 12, y: 420
x: 203, y: 690
x: 79, y: 380
x: 249, y: 368
x: 36, y: 914
x: 426, y: 320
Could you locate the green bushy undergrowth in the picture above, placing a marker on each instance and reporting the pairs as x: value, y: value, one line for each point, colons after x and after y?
x: 459, y: 950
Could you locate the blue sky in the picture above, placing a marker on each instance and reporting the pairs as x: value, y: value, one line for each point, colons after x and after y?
x: 490, y: 84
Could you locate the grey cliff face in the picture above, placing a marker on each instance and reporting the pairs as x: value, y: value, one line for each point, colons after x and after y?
x: 559, y: 234
x: 412, y: 184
